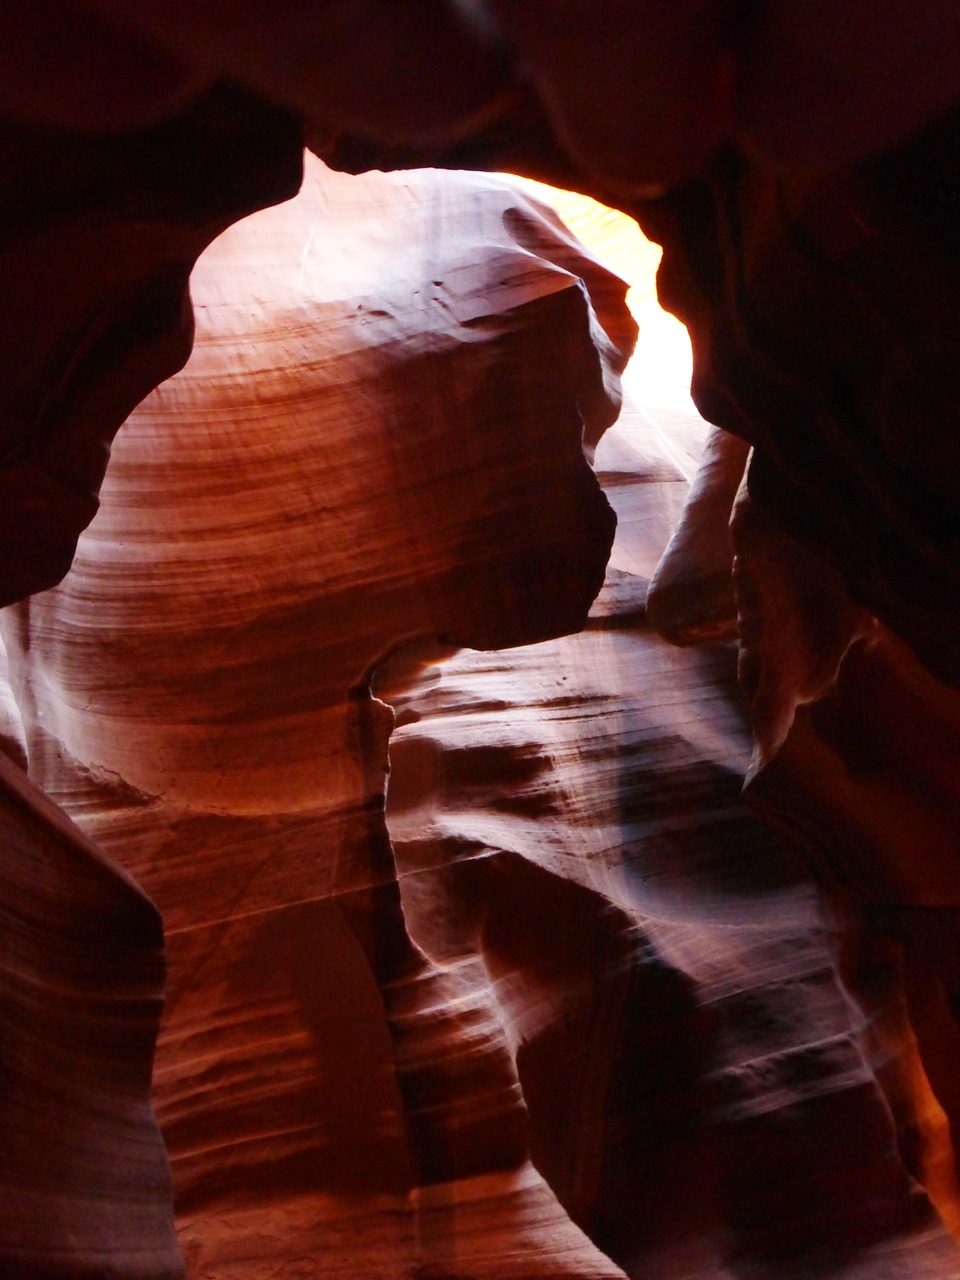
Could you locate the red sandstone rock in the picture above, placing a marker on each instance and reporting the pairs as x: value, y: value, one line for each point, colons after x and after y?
x: 820, y: 292
x: 410, y: 68
x: 379, y: 437
x: 804, y: 87
x: 13, y: 741
x: 587, y: 954
x: 98, y: 239
x: 84, y: 1180
x: 750, y: 253
x: 719, y: 1081
x: 691, y: 597
x: 823, y: 315
x: 857, y: 755
x: 807, y: 88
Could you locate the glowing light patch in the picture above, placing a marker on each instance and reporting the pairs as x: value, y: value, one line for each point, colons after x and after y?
x: 658, y: 376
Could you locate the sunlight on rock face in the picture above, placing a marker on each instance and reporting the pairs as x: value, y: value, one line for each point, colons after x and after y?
x: 658, y: 376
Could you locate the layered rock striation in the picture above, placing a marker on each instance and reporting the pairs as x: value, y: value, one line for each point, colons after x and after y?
x: 547, y: 1000
x: 379, y: 438
x: 98, y: 236
x: 584, y: 961
x: 716, y: 1055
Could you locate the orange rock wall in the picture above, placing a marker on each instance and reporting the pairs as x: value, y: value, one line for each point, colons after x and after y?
x: 585, y: 1016
x: 384, y: 461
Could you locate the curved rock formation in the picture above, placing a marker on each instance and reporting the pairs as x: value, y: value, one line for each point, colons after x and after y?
x: 801, y: 88
x: 823, y: 315
x: 98, y: 237
x: 85, y: 1183
x: 97, y: 242
x: 858, y: 755
x: 843, y: 192
x: 691, y: 597
x: 799, y: 165
x: 721, y: 1080
x: 379, y: 437
x: 819, y: 291
x: 583, y: 1017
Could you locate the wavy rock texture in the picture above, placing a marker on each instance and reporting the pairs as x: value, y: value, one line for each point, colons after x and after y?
x: 84, y: 1181
x: 378, y: 438
x: 813, y: 257
x: 13, y: 738
x: 691, y: 598
x: 585, y: 1008
x: 720, y: 1080
x: 857, y: 753
x: 98, y: 236
x: 823, y: 315
x: 815, y: 263
x: 628, y: 96
x: 97, y: 240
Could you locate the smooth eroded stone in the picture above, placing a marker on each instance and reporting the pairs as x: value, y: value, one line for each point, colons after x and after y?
x: 379, y: 437
x: 721, y: 1077
x: 691, y: 598
x: 823, y: 312
x: 98, y: 236
x: 84, y: 1181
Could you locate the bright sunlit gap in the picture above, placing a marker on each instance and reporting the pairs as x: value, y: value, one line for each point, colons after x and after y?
x: 658, y: 376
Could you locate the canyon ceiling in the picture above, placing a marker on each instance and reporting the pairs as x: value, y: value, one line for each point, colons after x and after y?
x: 463, y: 820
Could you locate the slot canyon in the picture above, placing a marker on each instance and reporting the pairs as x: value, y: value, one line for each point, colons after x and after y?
x: 479, y: 771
